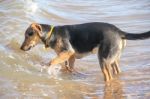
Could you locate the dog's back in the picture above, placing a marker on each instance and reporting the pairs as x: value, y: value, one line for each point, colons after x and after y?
x: 85, y: 37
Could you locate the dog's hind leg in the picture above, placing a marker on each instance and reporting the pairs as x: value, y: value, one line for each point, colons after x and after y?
x: 108, y: 68
x: 105, y: 65
x: 115, y: 67
x: 104, y: 71
x: 108, y: 53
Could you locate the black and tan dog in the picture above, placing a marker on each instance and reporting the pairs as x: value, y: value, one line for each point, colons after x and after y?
x: 75, y: 41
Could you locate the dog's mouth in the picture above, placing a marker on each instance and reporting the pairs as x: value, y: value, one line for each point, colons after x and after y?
x: 26, y: 48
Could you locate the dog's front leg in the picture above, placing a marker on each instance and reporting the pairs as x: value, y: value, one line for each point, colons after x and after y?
x: 62, y: 57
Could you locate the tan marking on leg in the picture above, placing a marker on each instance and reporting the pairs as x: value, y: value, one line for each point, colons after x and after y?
x: 106, y: 76
x: 114, y: 69
x: 117, y: 67
x: 108, y: 68
x: 71, y: 62
x: 62, y: 57
x: 105, y: 71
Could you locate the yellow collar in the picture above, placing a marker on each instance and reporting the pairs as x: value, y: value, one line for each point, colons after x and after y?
x: 48, y: 36
x: 50, y: 32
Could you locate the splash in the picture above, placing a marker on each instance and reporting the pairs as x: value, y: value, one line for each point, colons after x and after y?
x: 53, y: 70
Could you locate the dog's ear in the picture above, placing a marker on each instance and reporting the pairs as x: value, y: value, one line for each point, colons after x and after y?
x: 38, y: 28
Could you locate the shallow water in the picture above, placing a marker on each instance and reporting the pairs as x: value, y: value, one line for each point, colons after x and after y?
x: 20, y: 75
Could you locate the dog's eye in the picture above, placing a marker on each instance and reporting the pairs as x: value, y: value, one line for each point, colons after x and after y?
x: 30, y: 33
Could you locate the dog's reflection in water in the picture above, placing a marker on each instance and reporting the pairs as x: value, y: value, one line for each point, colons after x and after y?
x: 113, y: 90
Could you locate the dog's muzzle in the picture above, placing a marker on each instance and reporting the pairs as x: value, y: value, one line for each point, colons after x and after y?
x: 26, y: 47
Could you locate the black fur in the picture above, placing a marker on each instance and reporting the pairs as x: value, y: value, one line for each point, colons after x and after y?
x: 85, y: 37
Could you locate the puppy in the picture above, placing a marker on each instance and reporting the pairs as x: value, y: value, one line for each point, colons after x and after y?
x: 72, y: 42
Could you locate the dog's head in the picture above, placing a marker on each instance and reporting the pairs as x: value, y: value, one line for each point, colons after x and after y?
x: 32, y: 36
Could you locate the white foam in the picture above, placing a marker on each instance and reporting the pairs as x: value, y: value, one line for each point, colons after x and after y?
x: 53, y: 70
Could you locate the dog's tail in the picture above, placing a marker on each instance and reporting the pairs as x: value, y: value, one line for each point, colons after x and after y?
x: 132, y: 36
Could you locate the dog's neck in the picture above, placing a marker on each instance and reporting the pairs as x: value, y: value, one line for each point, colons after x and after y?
x: 46, y: 29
